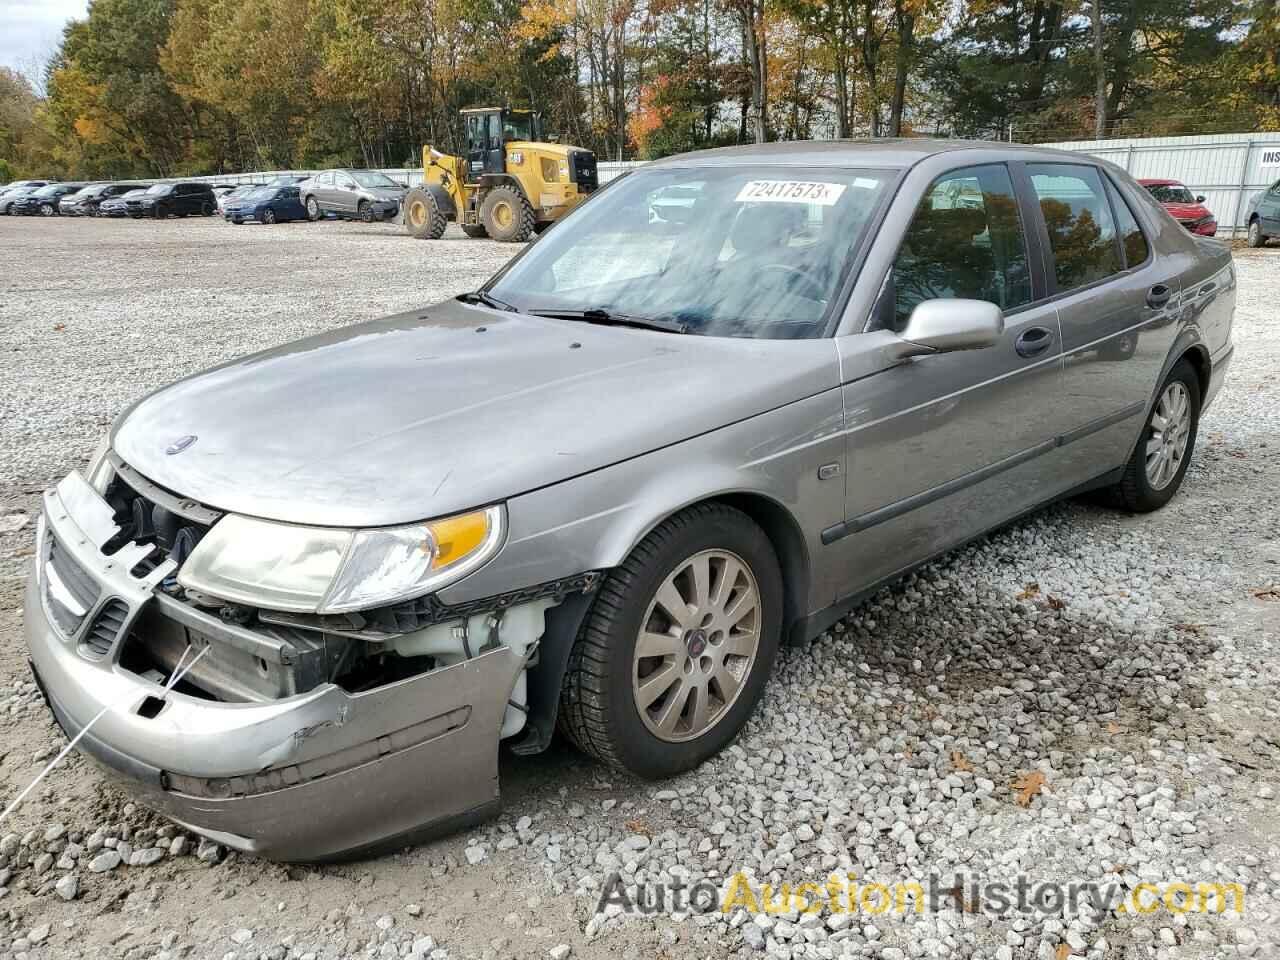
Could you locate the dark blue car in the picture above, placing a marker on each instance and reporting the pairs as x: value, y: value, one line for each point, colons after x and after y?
x: 269, y: 204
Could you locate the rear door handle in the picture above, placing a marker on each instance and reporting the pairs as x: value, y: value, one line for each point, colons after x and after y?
x: 1158, y: 296
x: 1033, y: 342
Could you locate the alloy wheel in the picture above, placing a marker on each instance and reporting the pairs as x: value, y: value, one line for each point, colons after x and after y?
x: 698, y: 640
x: 1170, y: 428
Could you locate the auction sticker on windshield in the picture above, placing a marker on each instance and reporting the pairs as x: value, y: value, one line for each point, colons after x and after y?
x: 790, y: 191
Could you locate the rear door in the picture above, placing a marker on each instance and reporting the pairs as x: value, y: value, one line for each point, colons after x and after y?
x: 1118, y: 303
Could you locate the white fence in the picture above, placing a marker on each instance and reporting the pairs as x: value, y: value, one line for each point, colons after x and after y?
x: 1228, y: 170
x: 409, y: 176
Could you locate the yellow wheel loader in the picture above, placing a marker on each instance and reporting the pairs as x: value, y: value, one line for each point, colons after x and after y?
x: 509, y: 186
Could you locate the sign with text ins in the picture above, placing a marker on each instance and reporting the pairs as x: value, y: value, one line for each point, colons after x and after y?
x: 1271, y: 157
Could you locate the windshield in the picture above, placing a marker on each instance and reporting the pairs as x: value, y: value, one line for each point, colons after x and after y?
x: 52, y: 190
x: 518, y: 126
x: 261, y: 193
x: 371, y: 178
x: 1171, y: 193
x: 159, y: 188
x: 730, y: 252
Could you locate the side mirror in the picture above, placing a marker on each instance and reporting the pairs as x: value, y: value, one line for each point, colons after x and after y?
x: 941, y: 326
x: 1200, y: 199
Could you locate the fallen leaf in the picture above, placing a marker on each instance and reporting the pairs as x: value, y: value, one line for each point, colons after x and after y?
x: 958, y: 762
x: 1055, y: 603
x: 1029, y: 591
x: 59, y: 327
x: 1064, y: 951
x: 637, y: 826
x: 1113, y: 728
x: 1268, y: 593
x: 1027, y: 786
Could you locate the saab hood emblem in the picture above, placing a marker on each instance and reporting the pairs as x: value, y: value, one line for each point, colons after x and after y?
x: 180, y: 444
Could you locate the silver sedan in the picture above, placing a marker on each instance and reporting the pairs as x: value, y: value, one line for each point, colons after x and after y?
x: 299, y: 600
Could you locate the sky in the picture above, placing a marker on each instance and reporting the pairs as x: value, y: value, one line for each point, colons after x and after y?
x: 31, y: 29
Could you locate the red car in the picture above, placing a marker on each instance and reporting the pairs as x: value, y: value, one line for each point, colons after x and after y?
x: 1187, y: 210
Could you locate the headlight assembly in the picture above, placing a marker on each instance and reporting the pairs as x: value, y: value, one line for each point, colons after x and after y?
x: 98, y: 471
x: 299, y: 569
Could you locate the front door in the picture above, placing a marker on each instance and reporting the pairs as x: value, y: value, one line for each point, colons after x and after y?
x: 942, y: 447
x: 1269, y: 211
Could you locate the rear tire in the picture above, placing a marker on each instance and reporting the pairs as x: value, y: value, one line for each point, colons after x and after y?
x: 1159, y: 461
x: 475, y: 231
x: 423, y: 217
x: 1255, y: 236
x: 506, y: 215
x: 684, y: 595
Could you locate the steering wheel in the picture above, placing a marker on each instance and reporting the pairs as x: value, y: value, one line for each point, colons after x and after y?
x: 814, y: 289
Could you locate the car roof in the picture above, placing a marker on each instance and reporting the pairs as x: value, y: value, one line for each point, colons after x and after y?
x: 884, y: 153
x: 1160, y: 182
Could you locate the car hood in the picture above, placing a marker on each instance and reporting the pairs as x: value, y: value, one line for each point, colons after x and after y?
x: 384, y: 193
x: 1188, y: 211
x: 433, y: 412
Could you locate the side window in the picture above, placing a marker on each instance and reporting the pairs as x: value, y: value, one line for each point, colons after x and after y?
x: 1131, y: 238
x: 1082, y: 234
x: 966, y: 240
x: 495, y: 131
x: 325, y: 179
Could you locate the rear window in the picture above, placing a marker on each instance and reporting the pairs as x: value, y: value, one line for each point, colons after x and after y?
x: 1132, y: 240
x: 1082, y: 232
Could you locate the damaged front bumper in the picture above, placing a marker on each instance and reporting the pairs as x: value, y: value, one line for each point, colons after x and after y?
x: 315, y: 775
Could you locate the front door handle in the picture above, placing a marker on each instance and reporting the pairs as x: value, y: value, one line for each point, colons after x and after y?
x: 1158, y: 296
x: 1033, y: 342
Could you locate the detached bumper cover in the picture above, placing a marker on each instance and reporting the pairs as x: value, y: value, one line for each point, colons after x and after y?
x: 316, y: 776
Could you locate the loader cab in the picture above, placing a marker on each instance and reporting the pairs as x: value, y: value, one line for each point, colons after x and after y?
x: 489, y: 129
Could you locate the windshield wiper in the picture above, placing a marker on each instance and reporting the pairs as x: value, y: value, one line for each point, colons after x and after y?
x: 479, y: 296
x: 615, y: 319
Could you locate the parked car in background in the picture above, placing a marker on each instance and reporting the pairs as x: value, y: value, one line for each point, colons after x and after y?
x: 118, y: 206
x: 220, y: 190
x: 270, y: 204
x: 87, y: 202
x: 17, y: 185
x: 1187, y: 209
x: 11, y: 197
x: 364, y: 194
x: 1263, y: 218
x: 234, y: 194
x: 288, y: 179
x: 851, y: 358
x: 44, y: 202
x: 181, y: 199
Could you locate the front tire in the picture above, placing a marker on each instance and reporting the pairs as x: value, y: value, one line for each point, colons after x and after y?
x: 313, y: 209
x: 1159, y: 461
x: 268, y: 216
x: 365, y: 211
x: 506, y: 215
x: 46, y: 210
x: 1255, y: 237
x: 423, y: 217
x: 678, y: 645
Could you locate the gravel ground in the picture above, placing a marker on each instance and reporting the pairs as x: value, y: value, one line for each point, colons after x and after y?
x: 1085, y: 696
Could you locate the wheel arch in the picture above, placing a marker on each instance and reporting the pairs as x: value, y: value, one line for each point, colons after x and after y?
x: 564, y: 621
